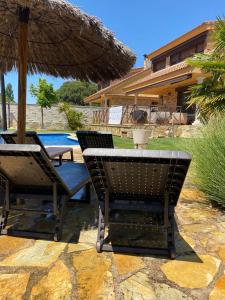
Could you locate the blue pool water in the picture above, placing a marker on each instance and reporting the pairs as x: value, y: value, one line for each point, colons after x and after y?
x: 59, y: 139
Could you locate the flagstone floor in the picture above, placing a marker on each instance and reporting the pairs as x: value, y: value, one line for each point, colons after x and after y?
x: 72, y: 269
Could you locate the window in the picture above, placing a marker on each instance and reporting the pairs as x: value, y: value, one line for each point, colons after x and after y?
x: 180, y: 52
x: 187, y: 51
x: 174, y: 59
x: 200, y: 47
x: 159, y: 65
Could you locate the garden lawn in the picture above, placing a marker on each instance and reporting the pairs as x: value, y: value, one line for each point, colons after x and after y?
x: 182, y: 144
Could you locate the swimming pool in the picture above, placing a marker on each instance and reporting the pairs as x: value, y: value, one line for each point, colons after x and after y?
x: 57, y: 139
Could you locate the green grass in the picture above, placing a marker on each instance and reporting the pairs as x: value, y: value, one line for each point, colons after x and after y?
x: 179, y: 144
x: 207, y: 170
x: 182, y: 144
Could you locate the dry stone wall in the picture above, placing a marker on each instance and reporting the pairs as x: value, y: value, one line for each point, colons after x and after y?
x: 53, y: 120
x: 156, y: 131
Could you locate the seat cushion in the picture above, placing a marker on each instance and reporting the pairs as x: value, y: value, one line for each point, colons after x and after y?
x: 74, y: 175
x: 56, y: 151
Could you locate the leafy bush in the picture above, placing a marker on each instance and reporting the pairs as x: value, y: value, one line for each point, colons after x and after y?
x: 209, y: 160
x: 75, y: 119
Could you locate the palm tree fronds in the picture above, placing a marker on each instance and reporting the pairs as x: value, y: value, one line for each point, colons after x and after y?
x: 209, y: 96
x: 207, y: 63
x: 219, y: 36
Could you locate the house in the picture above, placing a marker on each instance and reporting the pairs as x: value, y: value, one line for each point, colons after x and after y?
x: 162, y: 84
x: 112, y: 93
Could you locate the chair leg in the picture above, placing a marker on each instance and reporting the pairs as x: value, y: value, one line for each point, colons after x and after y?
x: 3, y: 221
x: 59, y: 220
x: 5, y: 210
x: 60, y: 160
x: 101, y: 228
x: 58, y: 213
x: 171, y: 238
x: 72, y: 158
x: 88, y: 193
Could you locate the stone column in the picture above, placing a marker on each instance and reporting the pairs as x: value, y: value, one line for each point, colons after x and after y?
x: 167, y: 61
x: 105, y: 102
x: 135, y: 98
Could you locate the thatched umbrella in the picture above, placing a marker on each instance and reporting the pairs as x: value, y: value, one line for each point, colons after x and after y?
x: 56, y: 38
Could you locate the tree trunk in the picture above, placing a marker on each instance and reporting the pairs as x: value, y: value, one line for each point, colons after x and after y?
x: 9, y: 121
x: 42, y: 118
x: 4, y: 116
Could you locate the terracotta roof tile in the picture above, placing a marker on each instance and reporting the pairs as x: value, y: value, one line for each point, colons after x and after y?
x: 150, y: 76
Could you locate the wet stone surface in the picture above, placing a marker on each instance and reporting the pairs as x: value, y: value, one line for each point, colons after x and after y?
x: 72, y: 269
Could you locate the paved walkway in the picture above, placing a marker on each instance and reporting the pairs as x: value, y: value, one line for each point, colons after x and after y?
x: 37, y: 269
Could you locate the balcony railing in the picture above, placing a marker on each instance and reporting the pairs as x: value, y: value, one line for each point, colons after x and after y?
x: 151, y: 115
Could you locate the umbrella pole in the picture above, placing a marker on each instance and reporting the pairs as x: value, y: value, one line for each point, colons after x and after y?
x: 4, y: 118
x: 22, y: 71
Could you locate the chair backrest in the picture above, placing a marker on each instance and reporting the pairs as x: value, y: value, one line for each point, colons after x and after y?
x: 137, y: 174
x: 94, y: 139
x: 28, y: 169
x: 31, y: 138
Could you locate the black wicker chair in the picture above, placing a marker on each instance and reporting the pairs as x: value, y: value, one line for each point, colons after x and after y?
x: 137, y: 181
x: 27, y: 173
x: 94, y: 139
x: 31, y: 137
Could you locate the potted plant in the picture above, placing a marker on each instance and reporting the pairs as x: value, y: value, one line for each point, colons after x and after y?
x: 140, y: 138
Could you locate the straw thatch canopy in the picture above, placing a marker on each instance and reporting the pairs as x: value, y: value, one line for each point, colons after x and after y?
x: 62, y: 41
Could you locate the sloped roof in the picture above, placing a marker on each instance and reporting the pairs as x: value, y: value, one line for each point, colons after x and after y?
x: 116, y: 84
x: 205, y: 26
x: 157, y: 75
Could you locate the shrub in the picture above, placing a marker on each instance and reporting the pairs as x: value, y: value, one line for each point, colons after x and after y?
x: 209, y: 160
x: 75, y: 119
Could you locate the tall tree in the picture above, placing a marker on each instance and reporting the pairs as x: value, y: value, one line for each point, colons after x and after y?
x: 45, y: 96
x: 4, y: 118
x: 9, y: 99
x: 74, y: 92
x: 210, y: 94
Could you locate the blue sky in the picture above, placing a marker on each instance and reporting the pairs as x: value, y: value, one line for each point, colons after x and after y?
x: 144, y: 25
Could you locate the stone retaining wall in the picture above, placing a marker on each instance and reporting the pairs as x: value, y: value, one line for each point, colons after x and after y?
x: 53, y: 120
x: 186, y: 131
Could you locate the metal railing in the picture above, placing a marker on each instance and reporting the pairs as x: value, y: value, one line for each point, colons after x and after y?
x: 154, y: 115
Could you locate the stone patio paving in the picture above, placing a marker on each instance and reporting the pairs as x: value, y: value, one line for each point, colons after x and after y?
x: 72, y: 269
